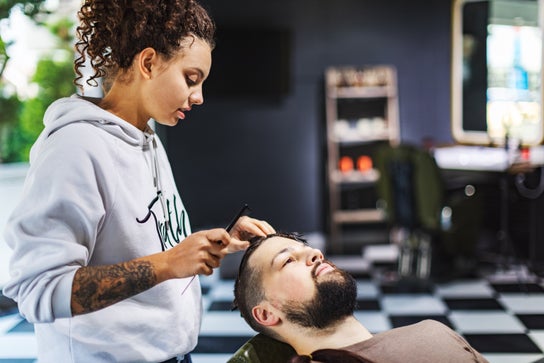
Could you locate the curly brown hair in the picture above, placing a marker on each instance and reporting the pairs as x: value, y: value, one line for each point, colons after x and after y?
x: 112, y: 32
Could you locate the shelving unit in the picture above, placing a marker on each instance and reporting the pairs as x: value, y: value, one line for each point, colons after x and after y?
x: 362, y: 113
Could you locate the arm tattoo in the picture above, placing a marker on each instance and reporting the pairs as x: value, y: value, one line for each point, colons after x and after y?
x: 97, y: 287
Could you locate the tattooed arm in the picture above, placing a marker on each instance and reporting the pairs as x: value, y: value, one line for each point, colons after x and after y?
x: 97, y: 287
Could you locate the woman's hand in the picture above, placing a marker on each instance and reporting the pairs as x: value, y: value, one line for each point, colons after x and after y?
x: 199, y: 253
x: 244, y: 229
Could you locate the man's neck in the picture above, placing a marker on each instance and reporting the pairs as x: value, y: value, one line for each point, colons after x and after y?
x: 307, y: 340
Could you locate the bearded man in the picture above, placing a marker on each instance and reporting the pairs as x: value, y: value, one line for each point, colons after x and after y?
x: 288, y: 291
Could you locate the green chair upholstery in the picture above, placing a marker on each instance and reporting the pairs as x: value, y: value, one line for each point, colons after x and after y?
x: 411, y: 185
x: 416, y: 198
x: 262, y: 349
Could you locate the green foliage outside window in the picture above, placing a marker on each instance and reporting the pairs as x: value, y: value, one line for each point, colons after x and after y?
x: 31, y: 8
x: 55, y: 81
x: 21, y: 121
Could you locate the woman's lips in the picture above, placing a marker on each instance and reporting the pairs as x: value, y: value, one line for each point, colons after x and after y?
x: 181, y: 114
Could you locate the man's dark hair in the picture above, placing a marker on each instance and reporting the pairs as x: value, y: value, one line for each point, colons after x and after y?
x: 248, y: 290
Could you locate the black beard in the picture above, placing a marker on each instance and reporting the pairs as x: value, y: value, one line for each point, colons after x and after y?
x: 335, y: 299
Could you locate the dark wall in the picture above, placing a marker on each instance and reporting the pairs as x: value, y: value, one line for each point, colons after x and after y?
x: 270, y: 152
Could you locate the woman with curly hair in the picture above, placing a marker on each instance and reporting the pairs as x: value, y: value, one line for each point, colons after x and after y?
x: 104, y: 260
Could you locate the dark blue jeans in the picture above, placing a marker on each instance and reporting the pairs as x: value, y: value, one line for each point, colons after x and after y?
x: 186, y: 359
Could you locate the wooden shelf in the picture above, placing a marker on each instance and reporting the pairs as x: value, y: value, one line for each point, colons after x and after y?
x: 362, y: 113
x: 356, y: 139
x: 358, y: 216
x: 355, y: 177
x: 362, y: 92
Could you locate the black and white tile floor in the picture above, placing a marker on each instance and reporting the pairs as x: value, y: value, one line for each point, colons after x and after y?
x: 501, y: 317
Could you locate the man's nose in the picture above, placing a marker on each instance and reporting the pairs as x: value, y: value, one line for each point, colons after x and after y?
x: 313, y: 256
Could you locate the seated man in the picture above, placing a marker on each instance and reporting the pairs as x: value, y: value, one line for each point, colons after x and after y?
x: 288, y: 291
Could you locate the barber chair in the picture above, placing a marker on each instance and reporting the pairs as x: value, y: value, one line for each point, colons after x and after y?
x: 422, y: 215
x: 262, y: 349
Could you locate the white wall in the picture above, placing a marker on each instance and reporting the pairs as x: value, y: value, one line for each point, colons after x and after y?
x: 11, y: 185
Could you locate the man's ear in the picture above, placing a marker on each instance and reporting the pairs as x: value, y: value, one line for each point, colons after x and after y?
x: 146, y: 61
x: 264, y: 315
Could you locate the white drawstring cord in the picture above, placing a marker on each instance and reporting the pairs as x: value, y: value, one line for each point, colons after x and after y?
x: 157, y: 180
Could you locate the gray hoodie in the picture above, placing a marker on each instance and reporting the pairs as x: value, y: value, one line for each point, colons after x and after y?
x: 99, y: 191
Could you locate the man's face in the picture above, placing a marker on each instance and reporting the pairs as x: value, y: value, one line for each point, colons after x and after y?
x: 309, y: 290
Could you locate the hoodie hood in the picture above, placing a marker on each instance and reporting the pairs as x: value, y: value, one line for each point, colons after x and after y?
x: 72, y: 109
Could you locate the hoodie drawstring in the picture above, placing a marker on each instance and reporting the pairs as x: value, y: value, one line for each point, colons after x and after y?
x: 157, y: 180
x: 150, y: 138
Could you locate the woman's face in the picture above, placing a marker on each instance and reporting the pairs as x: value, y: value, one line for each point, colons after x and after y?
x: 177, y: 87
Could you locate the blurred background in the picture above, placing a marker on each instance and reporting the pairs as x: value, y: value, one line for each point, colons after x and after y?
x: 261, y: 137
x: 382, y: 130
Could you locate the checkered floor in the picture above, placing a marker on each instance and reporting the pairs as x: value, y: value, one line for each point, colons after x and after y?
x: 502, y: 317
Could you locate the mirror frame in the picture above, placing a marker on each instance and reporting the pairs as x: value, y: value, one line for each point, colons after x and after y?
x: 459, y: 134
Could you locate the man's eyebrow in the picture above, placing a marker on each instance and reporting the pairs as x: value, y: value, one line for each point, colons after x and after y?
x: 286, y: 249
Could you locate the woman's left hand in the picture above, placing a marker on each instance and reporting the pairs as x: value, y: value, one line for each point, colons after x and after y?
x: 246, y: 228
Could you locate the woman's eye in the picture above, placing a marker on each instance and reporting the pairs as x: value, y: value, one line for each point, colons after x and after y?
x: 192, y: 80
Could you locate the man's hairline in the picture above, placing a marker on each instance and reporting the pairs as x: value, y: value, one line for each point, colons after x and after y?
x: 258, y: 269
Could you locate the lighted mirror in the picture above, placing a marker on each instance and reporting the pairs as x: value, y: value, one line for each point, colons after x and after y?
x: 496, y: 71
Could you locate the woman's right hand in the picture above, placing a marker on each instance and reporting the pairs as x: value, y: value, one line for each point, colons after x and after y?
x: 198, y: 254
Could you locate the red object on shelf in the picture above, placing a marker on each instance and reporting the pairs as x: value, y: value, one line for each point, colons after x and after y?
x: 525, y: 153
x: 345, y: 164
x: 364, y: 163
